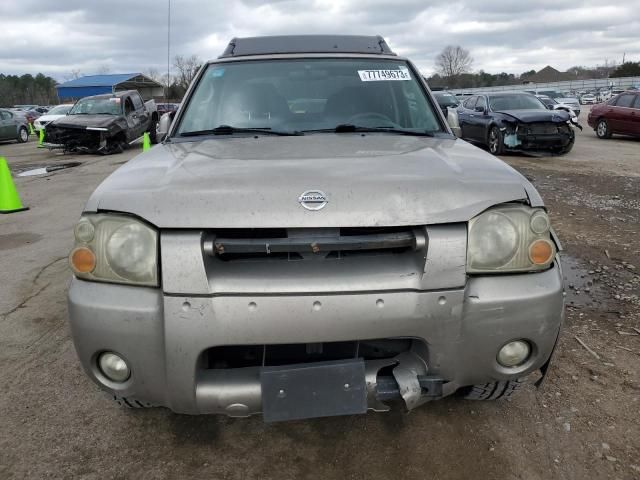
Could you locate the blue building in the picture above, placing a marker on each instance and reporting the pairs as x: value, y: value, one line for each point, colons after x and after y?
x: 99, y: 84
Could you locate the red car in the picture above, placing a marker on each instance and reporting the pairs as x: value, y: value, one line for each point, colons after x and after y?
x: 620, y: 115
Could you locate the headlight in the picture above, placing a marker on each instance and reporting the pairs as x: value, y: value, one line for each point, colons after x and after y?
x: 512, y: 238
x: 115, y: 248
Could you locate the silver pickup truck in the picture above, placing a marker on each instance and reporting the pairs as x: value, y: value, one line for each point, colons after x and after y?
x: 309, y: 239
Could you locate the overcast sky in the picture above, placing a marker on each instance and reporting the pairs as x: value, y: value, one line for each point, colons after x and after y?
x: 55, y: 37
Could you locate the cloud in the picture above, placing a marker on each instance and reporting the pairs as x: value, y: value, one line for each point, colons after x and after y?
x: 125, y: 36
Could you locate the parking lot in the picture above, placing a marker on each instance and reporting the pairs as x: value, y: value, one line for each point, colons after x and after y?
x: 583, y: 423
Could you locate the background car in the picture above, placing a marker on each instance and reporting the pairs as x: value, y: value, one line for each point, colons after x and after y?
x: 53, y: 114
x: 445, y: 100
x: 563, y: 98
x: 24, y: 107
x: 553, y: 104
x: 620, y: 115
x: 166, y: 107
x: 13, y: 126
x: 588, y: 99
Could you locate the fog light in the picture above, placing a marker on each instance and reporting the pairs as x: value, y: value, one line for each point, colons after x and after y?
x: 113, y: 367
x: 514, y: 353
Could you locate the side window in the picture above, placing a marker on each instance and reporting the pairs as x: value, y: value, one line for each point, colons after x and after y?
x: 137, y: 101
x: 3, y: 115
x: 637, y: 104
x: 470, y: 103
x: 128, y: 106
x: 625, y: 100
x: 612, y: 101
x: 481, y: 103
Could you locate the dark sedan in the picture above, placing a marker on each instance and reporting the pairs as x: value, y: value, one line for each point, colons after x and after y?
x: 620, y: 115
x: 515, y: 122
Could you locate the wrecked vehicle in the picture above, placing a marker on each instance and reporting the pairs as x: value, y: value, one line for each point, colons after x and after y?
x: 310, y: 239
x: 516, y: 122
x: 105, y: 123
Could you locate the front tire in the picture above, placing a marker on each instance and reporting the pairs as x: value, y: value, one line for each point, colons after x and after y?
x: 493, y: 390
x: 23, y: 135
x: 602, y: 129
x: 496, y: 145
x: 128, y: 402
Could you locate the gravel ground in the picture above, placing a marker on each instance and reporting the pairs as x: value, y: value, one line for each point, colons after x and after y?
x: 584, y: 423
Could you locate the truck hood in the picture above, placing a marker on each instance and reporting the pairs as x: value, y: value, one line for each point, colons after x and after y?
x: 83, y: 121
x: 531, y: 116
x: 369, y: 180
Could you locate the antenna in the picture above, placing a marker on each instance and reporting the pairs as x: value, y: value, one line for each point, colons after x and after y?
x: 166, y: 88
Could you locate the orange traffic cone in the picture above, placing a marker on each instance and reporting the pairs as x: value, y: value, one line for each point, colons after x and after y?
x: 9, y: 198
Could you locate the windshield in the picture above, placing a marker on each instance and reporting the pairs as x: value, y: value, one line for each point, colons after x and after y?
x: 515, y: 102
x: 95, y: 106
x: 309, y: 94
x: 59, y: 110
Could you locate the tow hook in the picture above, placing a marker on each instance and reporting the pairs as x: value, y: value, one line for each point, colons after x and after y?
x: 409, y: 381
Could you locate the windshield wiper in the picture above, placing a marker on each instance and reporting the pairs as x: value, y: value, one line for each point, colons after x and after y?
x: 348, y: 128
x: 229, y: 130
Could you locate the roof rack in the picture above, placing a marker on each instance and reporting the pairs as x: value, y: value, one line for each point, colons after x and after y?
x: 239, y: 47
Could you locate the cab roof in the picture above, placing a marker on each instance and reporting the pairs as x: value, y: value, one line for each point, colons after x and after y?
x: 240, y: 47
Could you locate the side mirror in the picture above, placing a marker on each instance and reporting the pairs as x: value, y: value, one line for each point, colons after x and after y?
x: 480, y: 109
x: 454, y: 124
x: 164, y: 124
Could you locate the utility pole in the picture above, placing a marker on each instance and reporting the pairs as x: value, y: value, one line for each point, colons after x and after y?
x: 166, y: 88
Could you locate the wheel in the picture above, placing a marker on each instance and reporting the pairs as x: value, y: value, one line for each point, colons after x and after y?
x: 23, y: 135
x: 496, y: 146
x: 602, y: 129
x: 127, y: 402
x: 153, y: 131
x: 114, y: 145
x: 493, y: 390
x: 568, y: 148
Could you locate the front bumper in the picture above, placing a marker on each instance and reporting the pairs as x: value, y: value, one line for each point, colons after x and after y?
x: 162, y: 337
x: 557, y: 142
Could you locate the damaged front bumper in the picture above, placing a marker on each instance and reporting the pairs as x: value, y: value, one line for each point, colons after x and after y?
x: 81, y: 139
x: 539, y: 137
x: 183, y: 350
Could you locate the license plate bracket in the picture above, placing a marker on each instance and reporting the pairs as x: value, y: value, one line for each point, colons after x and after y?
x: 309, y: 390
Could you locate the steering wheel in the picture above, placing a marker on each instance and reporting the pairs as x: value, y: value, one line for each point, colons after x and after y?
x: 372, y: 115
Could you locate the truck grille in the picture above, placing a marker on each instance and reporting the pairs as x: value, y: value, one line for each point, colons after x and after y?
x: 314, y: 260
x: 242, y: 356
x: 309, y: 244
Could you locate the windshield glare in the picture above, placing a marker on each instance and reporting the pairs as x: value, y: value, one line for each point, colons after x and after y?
x: 515, y: 102
x: 59, y: 110
x: 94, y: 106
x: 309, y: 94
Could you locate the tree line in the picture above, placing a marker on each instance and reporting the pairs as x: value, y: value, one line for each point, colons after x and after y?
x: 27, y: 90
x: 41, y: 89
x: 454, y: 63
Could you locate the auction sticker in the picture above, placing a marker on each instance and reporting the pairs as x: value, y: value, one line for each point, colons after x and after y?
x: 383, y: 75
